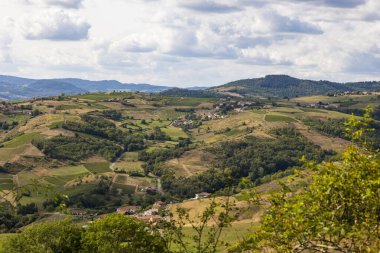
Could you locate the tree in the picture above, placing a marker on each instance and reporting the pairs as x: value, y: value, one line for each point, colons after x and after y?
x: 30, y: 208
x: 338, y: 212
x: 117, y: 233
x: 52, y: 237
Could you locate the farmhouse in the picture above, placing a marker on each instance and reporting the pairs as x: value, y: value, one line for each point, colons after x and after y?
x: 128, y: 210
x: 159, y: 204
x: 202, y: 195
x: 150, y: 212
x: 150, y: 218
x: 78, y: 211
x: 150, y: 189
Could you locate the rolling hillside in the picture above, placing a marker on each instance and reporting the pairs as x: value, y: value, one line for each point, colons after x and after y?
x: 287, y: 86
x: 97, y: 152
x: 280, y: 86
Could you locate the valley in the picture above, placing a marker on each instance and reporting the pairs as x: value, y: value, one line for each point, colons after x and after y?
x: 101, y: 151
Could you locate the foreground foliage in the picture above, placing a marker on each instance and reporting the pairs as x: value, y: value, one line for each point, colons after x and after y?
x: 338, y: 212
x: 112, y: 234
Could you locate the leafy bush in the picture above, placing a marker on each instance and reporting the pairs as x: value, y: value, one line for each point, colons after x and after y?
x: 111, y: 234
x: 337, y: 212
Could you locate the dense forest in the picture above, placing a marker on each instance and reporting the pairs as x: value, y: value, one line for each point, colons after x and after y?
x: 103, y: 128
x: 192, y: 93
x: 336, y: 128
x: 251, y: 158
x: 77, y: 148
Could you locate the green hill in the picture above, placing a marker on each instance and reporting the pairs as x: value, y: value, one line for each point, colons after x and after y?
x: 287, y: 86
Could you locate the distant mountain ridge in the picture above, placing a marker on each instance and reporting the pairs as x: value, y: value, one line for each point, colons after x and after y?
x: 287, y: 86
x: 16, y: 88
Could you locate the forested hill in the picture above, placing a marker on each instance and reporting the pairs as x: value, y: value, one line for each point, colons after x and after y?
x: 192, y: 93
x: 287, y: 86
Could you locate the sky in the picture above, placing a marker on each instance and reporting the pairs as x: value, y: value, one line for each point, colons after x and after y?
x: 190, y: 42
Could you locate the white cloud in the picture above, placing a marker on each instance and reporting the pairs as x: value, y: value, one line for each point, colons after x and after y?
x: 56, y: 26
x: 193, y: 42
x: 314, y: 3
x: 285, y: 24
x: 71, y: 4
x: 138, y: 43
x: 209, y: 6
x: 128, y: 52
x: 334, y: 3
x: 65, y: 3
x: 6, y: 40
x: 5, y: 47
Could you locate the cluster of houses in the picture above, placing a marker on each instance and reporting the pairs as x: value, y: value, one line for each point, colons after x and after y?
x: 181, y: 122
x: 113, y: 100
x: 9, y: 108
x: 345, y: 93
x: 211, y: 116
x: 320, y: 105
x: 152, y: 215
x: 190, y: 123
x: 235, y: 105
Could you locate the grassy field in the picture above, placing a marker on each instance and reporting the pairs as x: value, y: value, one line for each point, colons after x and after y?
x: 129, y: 166
x: 74, y: 170
x: 57, y: 177
x: 67, y: 174
x: 68, y: 106
x: 127, y: 189
x: 21, y: 118
x: 276, y: 118
x: 232, y: 127
x: 99, y: 96
x: 174, y: 132
x: 98, y: 167
x: 170, y: 114
x: 185, y: 101
x: 191, y: 162
x: 129, y: 162
x: 158, y: 123
x: 6, y: 181
x: 313, y: 110
x: 8, y: 153
x: 82, y: 188
x: 124, y: 179
x: 22, y: 140
x: 3, y: 237
x: 130, y: 156
x: 247, y: 217
x: 121, y: 179
x: 327, y: 99
x: 230, y: 236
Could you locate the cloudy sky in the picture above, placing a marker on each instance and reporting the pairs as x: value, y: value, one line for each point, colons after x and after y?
x: 190, y: 42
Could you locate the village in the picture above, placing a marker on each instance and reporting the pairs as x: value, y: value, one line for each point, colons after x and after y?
x: 157, y: 213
